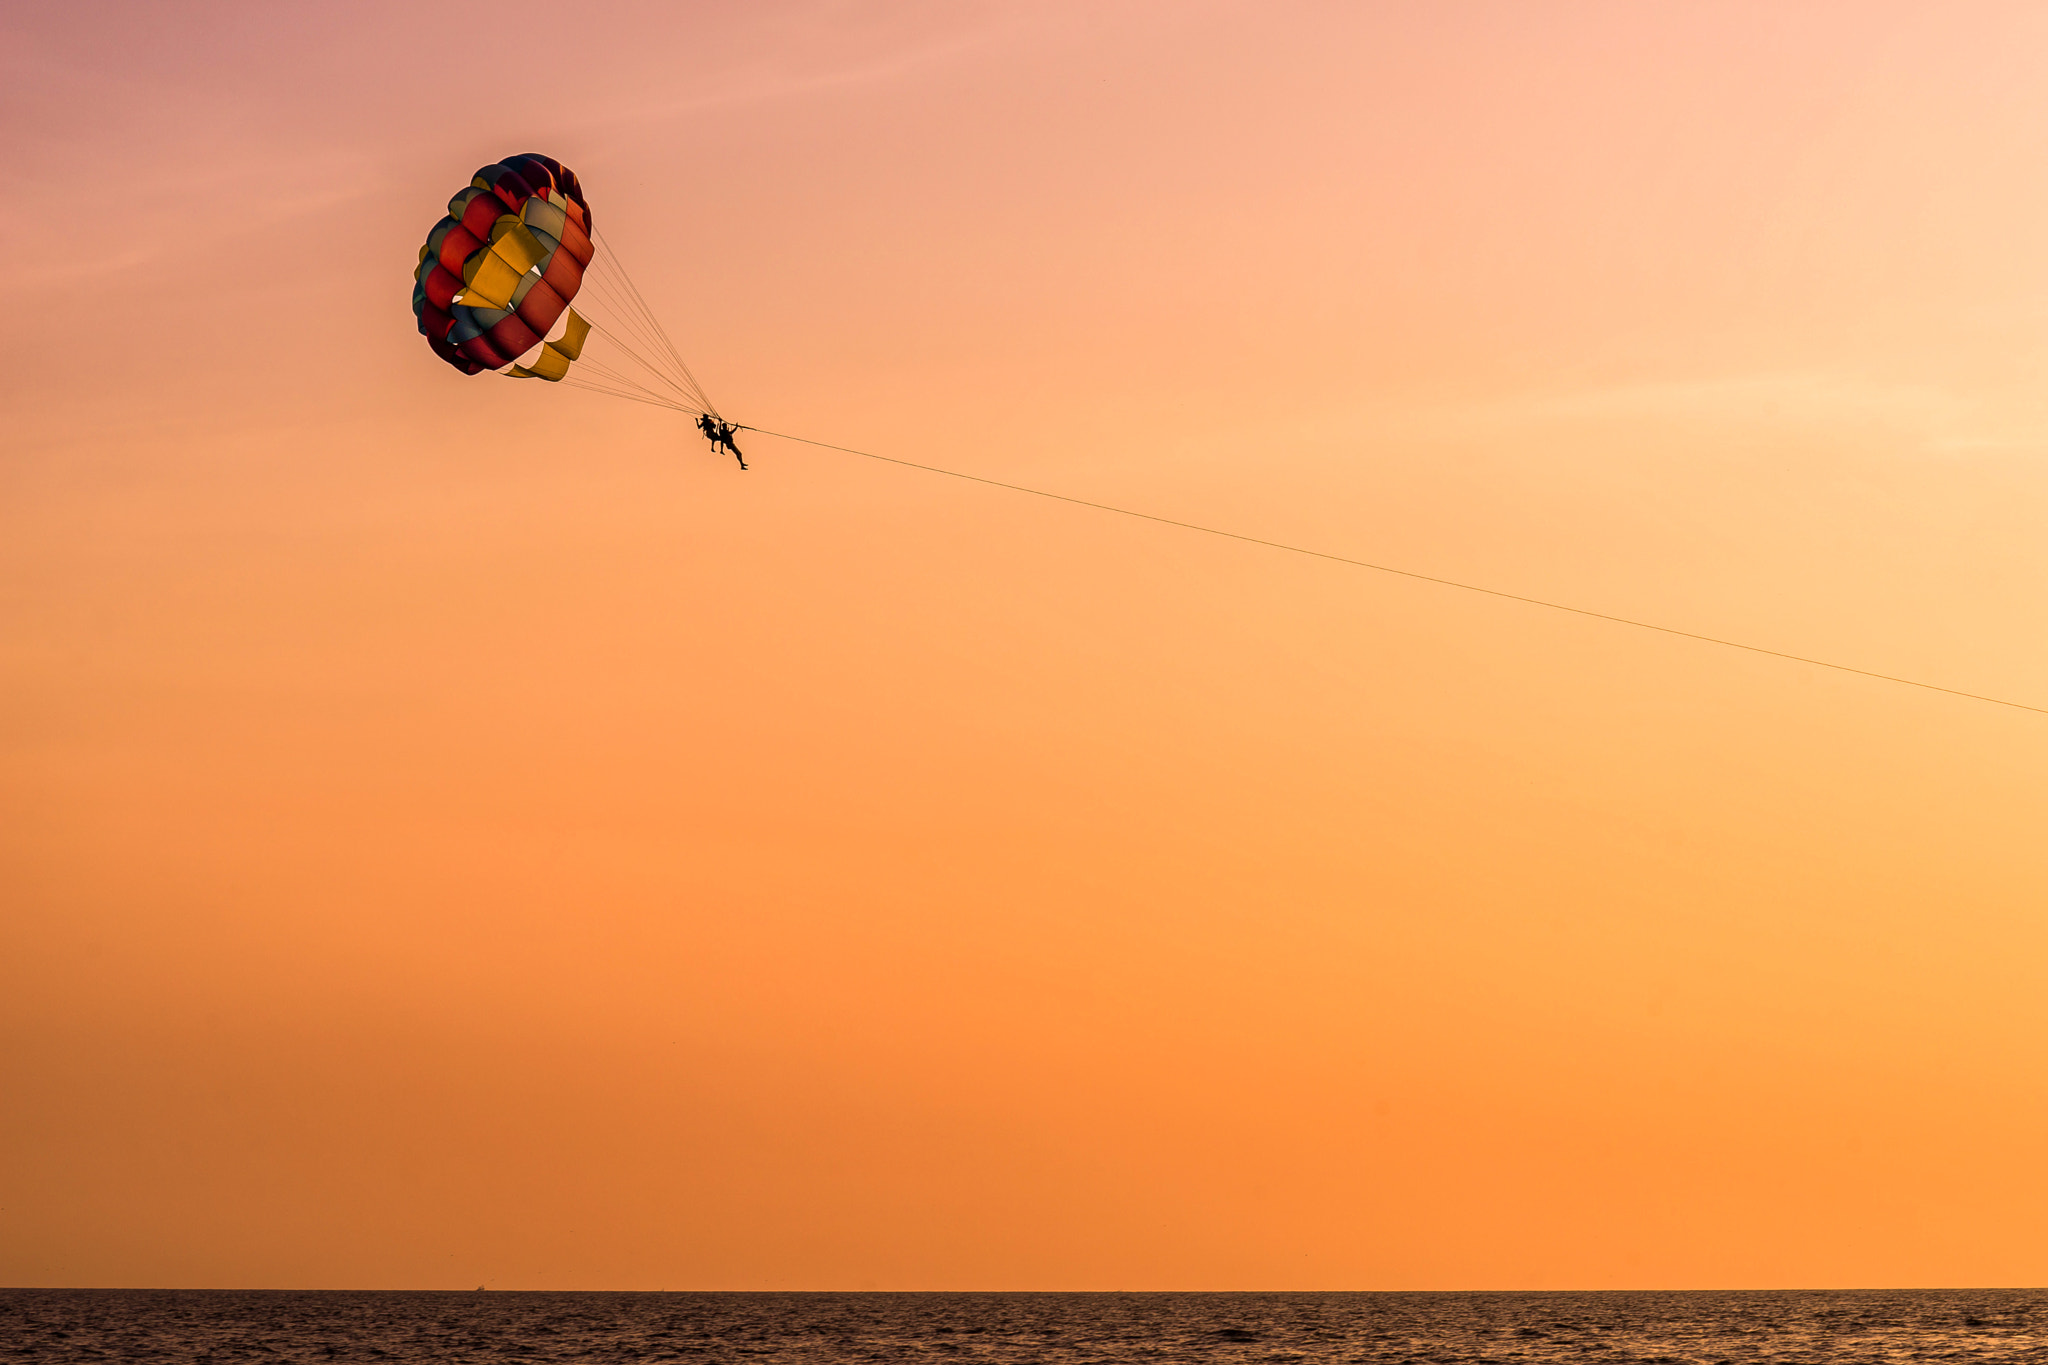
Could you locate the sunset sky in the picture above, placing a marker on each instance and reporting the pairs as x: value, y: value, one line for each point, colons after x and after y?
x: 460, y: 831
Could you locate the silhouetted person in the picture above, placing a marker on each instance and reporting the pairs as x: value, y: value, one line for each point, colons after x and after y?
x: 719, y: 433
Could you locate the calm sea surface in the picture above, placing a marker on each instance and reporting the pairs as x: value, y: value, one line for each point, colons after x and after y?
x: 207, y: 1325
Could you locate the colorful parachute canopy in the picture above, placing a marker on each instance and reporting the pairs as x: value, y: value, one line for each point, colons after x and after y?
x: 496, y: 276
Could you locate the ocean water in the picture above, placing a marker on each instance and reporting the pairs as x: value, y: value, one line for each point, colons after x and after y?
x: 208, y: 1326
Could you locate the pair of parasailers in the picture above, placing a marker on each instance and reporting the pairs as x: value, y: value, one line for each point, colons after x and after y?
x: 720, y: 433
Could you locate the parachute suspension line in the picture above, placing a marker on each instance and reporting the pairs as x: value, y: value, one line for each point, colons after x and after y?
x: 626, y: 384
x: 601, y: 279
x: 595, y: 368
x: 635, y: 348
x: 617, y: 324
x: 597, y: 373
x: 656, y: 371
x: 575, y: 383
x: 647, y: 367
x: 636, y: 306
x: 632, y: 339
x: 626, y: 316
x: 654, y: 323
x: 601, y: 379
x: 630, y: 314
x: 599, y: 367
x: 1410, y: 573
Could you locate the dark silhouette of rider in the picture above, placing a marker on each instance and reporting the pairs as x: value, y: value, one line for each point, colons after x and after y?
x: 720, y: 433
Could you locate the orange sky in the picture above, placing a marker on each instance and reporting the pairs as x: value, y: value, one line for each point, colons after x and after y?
x: 458, y: 831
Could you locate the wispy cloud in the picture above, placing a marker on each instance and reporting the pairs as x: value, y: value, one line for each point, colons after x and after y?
x: 782, y: 76
x: 1935, y: 418
x: 125, y: 175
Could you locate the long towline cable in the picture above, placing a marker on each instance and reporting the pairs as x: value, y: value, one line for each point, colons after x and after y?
x: 677, y: 389
x: 1410, y: 573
